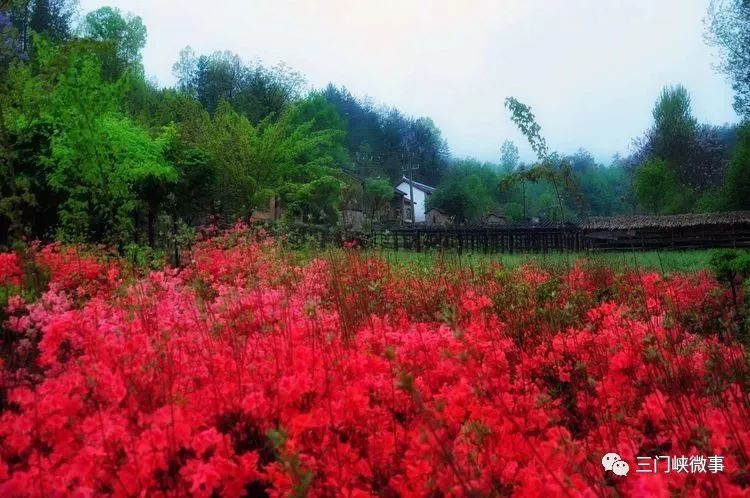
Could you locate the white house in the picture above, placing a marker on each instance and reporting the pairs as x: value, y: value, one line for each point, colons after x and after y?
x: 421, y: 193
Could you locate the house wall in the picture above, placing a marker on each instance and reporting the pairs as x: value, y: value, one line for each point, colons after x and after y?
x: 420, y: 200
x: 436, y: 218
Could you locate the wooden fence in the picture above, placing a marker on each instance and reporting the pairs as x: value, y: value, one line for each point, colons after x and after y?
x: 568, y: 238
x: 699, y: 237
x: 486, y: 240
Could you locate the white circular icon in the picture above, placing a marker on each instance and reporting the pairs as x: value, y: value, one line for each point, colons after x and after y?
x: 620, y: 468
x: 609, y: 459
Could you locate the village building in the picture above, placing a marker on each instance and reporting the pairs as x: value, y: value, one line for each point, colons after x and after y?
x: 436, y: 217
x: 400, y: 207
x: 495, y: 218
x: 271, y: 211
x: 421, y: 193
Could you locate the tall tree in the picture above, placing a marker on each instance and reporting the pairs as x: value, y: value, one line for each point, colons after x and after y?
x: 378, y: 193
x: 549, y: 168
x: 252, y: 89
x: 273, y: 158
x: 655, y: 186
x: 467, y: 192
x: 126, y: 34
x: 697, y: 154
x: 509, y: 157
x: 109, y: 169
x: 728, y: 29
x: 384, y: 142
x: 737, y: 188
x: 674, y: 129
x: 50, y: 18
x: 423, y: 147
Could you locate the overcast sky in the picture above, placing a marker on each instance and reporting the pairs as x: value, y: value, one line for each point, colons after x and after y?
x: 590, y: 69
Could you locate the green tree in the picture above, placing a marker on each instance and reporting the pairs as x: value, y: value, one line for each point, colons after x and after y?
x: 509, y: 158
x: 253, y: 90
x: 549, y: 168
x: 655, y: 186
x: 274, y: 158
x: 49, y: 18
x: 423, y: 146
x: 736, y: 191
x: 316, y: 111
x: 126, y: 34
x: 513, y: 211
x: 107, y: 168
x: 378, y: 193
x: 317, y: 201
x: 674, y: 131
x: 14, y: 191
x: 382, y: 141
x: 112, y: 181
x: 728, y: 29
x: 467, y: 192
x: 240, y: 178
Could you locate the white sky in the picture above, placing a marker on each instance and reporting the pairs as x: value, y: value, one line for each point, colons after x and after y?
x: 590, y: 69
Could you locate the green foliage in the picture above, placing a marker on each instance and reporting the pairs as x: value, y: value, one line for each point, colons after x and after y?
x: 732, y: 267
x: 253, y: 90
x: 513, y: 211
x: 49, y: 18
x: 655, y: 186
x: 524, y: 119
x: 509, y: 157
x: 674, y: 130
x: 729, y: 265
x: 322, y: 118
x: 697, y: 154
x: 383, y: 142
x: 467, y: 192
x: 736, y: 194
x: 710, y: 201
x: 317, y: 201
x: 107, y: 181
x: 728, y: 28
x: 105, y: 166
x: 378, y: 193
x: 673, y: 117
x: 126, y: 34
x: 90, y: 150
x: 551, y: 168
x: 276, y: 157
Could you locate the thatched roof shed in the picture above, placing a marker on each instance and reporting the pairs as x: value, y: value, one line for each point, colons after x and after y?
x: 641, y: 222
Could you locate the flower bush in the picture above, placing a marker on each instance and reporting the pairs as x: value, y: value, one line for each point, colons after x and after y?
x: 249, y: 374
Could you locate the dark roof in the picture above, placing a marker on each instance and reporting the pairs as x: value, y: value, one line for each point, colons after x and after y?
x: 438, y: 210
x: 420, y: 186
x: 669, y: 221
x: 353, y: 175
x: 531, y: 223
x: 497, y: 214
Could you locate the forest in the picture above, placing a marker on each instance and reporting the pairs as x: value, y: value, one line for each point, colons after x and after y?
x: 94, y: 151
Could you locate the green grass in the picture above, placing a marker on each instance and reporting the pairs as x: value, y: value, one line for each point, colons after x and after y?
x: 662, y: 261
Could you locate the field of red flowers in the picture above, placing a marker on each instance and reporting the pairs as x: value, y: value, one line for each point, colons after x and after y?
x: 247, y: 373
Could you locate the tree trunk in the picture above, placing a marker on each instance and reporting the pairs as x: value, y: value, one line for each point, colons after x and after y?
x: 137, y: 226
x: 151, y: 225
x: 15, y: 227
x: 174, y: 240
